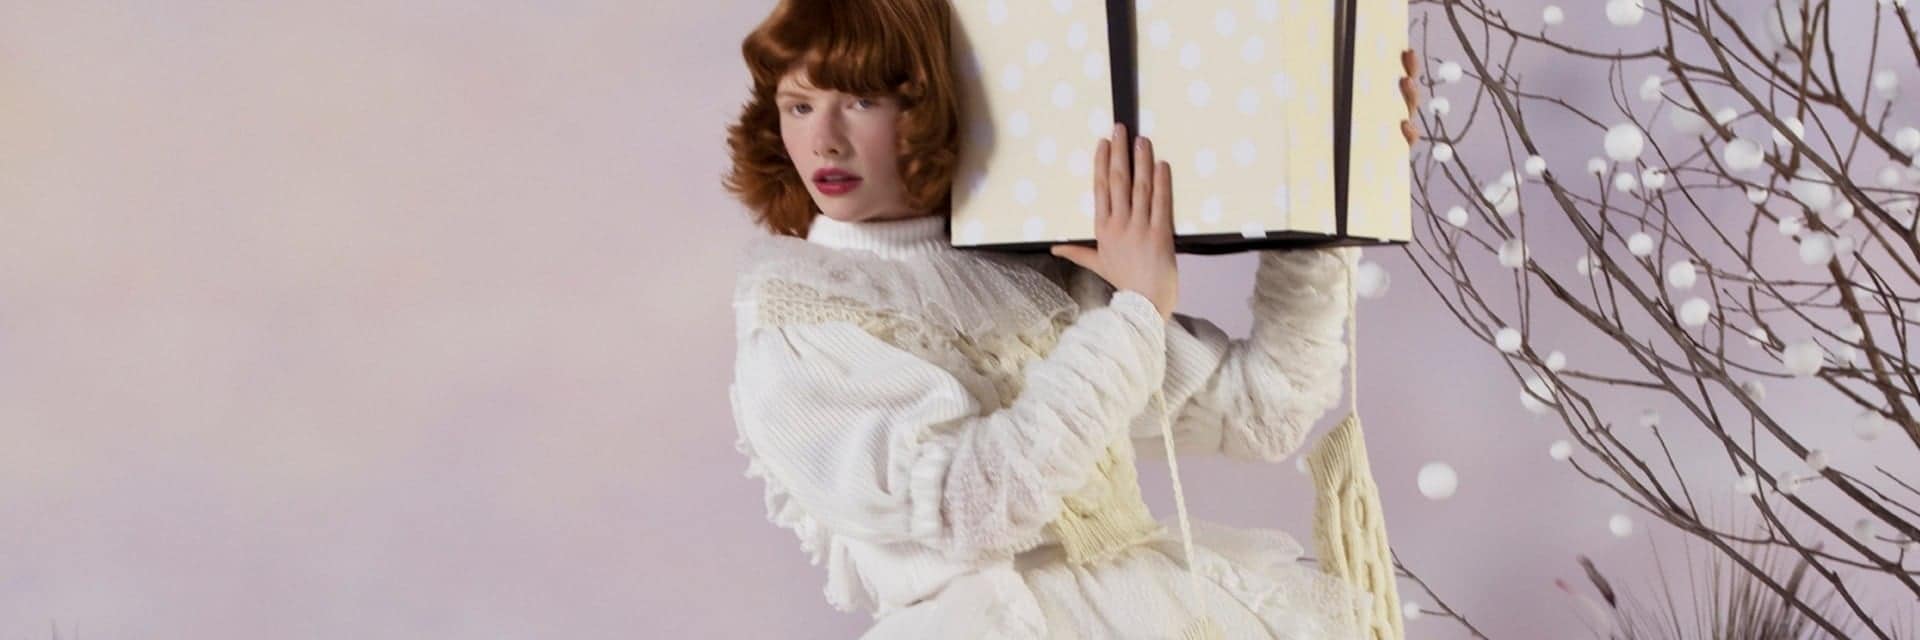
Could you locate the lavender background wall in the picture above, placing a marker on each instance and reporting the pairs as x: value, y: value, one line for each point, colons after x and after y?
x: 410, y: 320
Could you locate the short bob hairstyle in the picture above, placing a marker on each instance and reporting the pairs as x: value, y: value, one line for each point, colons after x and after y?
x: 860, y: 47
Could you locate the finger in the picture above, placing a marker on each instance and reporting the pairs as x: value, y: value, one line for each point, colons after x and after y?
x: 1079, y: 255
x: 1101, y: 200
x: 1117, y: 178
x: 1162, y: 197
x: 1407, y: 129
x: 1408, y: 60
x: 1406, y: 89
x: 1142, y: 208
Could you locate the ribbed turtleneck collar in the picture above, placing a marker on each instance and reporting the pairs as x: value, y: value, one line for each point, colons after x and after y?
x: 891, y: 239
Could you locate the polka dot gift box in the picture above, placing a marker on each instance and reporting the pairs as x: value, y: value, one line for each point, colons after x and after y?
x: 1257, y: 104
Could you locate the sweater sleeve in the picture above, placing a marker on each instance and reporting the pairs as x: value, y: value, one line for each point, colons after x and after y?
x: 876, y: 443
x: 1255, y: 398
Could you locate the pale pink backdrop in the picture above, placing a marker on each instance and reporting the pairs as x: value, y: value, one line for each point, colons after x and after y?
x: 410, y: 320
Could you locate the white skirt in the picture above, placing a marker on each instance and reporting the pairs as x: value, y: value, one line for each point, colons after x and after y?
x: 1252, y: 583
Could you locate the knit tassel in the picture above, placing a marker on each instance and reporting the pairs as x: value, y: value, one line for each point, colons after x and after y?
x: 1349, y: 531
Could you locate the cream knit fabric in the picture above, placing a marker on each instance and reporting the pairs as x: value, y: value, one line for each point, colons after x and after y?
x: 943, y: 429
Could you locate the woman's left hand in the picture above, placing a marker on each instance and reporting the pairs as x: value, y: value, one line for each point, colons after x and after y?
x: 1412, y: 94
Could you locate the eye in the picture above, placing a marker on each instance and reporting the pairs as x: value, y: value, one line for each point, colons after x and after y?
x: 870, y: 102
x: 797, y: 105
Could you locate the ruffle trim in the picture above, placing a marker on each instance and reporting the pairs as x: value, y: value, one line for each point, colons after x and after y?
x: 1261, y: 569
x: 845, y: 589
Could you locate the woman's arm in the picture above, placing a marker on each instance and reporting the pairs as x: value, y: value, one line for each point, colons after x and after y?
x: 1256, y: 398
x: 876, y: 443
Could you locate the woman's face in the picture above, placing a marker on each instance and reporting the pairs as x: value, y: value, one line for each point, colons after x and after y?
x: 827, y: 130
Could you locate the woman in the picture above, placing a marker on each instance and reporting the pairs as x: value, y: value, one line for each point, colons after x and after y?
x: 953, y: 433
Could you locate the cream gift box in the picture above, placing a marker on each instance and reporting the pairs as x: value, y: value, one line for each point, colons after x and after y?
x: 1251, y: 101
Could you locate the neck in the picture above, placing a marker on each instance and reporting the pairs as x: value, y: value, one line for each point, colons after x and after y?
x: 890, y: 238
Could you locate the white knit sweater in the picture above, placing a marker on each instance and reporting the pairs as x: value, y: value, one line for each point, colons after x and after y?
x: 921, y: 413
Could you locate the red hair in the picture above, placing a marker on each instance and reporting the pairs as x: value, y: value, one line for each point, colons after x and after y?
x: 860, y: 47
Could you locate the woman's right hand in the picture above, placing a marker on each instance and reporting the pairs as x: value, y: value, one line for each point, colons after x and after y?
x: 1132, y: 223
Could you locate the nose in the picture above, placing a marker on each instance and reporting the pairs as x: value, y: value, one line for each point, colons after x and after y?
x: 829, y: 139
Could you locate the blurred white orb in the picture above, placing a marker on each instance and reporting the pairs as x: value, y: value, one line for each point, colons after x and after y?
x: 1442, y: 152
x: 1742, y: 155
x: 1802, y: 358
x: 1448, y: 72
x: 1620, y: 525
x: 1694, y: 311
x: 1560, y: 450
x: 1624, y: 142
x: 1507, y: 339
x: 1370, y: 280
x: 1816, y: 248
x: 1437, y: 480
x: 1552, y: 15
x: 1535, y: 165
x: 1457, y: 216
x: 1625, y: 13
x: 1681, y: 275
x: 1640, y: 244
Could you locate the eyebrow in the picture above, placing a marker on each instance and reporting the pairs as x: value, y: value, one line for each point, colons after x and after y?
x: 789, y: 93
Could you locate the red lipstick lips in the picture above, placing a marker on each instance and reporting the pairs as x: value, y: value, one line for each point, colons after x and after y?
x: 831, y: 181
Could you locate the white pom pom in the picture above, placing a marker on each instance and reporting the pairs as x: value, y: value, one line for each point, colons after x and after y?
x: 1300, y: 465
x: 1640, y: 244
x: 1649, y: 418
x: 1442, y: 151
x: 1625, y: 13
x: 1802, y: 358
x: 1584, y: 266
x: 1410, y: 611
x: 1799, y: 131
x: 1790, y: 227
x: 1370, y: 280
x: 1537, y: 396
x: 1891, y: 176
x: 1725, y: 115
x: 1457, y: 216
x: 1654, y: 178
x: 1507, y: 178
x: 1816, y: 460
x: 1757, y: 195
x: 1596, y: 165
x: 1742, y: 155
x: 1756, y: 336
x: 1504, y: 196
x: 1680, y: 275
x: 1620, y: 525
x: 1448, y: 72
x: 1535, y: 165
x: 1552, y: 15
x: 1624, y: 181
x: 1838, y: 214
x: 1816, y: 248
x: 1560, y: 450
x: 1754, y: 389
x: 1885, y: 81
x: 1907, y: 139
x: 1650, y: 89
x: 1814, y: 195
x: 1507, y: 339
x: 1852, y: 332
x: 1513, y: 253
x: 1437, y: 481
x: 1439, y: 106
x: 1746, y: 484
x: 1624, y: 142
x: 1869, y: 425
x: 1694, y: 311
x: 1788, y: 484
x: 1556, y: 361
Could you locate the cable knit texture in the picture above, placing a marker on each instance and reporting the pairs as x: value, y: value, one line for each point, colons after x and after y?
x: 948, y: 432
